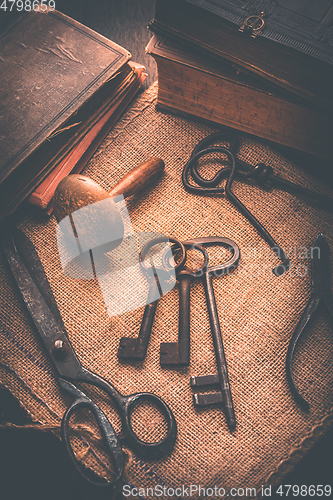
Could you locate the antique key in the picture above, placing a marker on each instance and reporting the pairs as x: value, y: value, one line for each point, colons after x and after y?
x: 221, y: 378
x: 136, y: 348
x: 178, y: 353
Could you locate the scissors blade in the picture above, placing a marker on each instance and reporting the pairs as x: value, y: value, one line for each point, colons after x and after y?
x: 37, y: 295
x: 30, y: 259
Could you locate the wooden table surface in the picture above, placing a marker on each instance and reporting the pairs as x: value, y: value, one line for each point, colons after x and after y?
x: 32, y: 463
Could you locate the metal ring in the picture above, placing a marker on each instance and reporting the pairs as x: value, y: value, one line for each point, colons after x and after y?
x: 200, y: 270
x: 219, y: 240
x: 166, y: 265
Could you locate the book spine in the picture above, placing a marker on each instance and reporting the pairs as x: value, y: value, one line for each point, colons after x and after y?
x: 81, y: 154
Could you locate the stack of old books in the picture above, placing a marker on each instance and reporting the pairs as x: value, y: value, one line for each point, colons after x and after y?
x: 267, y: 72
x: 62, y: 88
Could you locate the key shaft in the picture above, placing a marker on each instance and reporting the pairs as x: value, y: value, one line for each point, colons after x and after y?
x: 219, y: 351
x: 178, y: 353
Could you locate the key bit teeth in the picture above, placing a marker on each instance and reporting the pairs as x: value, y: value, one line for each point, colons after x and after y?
x: 207, y: 399
x: 122, y: 354
x: 201, y: 380
x: 168, y: 351
x: 129, y: 349
x: 175, y: 361
x: 196, y: 399
x: 123, y: 342
x: 170, y: 355
x: 232, y: 424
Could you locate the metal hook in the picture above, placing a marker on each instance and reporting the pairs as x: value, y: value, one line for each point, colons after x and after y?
x: 208, y: 188
x: 261, y: 173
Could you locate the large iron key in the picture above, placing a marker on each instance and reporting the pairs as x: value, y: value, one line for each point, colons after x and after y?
x: 178, y: 353
x: 136, y: 348
x: 221, y: 378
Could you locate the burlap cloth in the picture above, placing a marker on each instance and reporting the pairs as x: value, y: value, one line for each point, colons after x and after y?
x: 258, y: 314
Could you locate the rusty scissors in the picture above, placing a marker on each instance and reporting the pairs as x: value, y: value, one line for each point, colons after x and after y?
x: 37, y: 295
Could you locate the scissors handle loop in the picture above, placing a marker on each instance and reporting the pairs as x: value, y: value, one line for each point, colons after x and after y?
x: 156, y: 449
x: 126, y: 405
x: 108, y: 434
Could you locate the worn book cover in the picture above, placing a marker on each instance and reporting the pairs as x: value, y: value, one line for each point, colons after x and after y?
x: 288, y: 43
x: 54, y: 73
x: 78, y: 157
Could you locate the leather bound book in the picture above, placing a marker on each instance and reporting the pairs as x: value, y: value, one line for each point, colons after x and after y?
x: 55, y: 74
x: 288, y: 43
x: 79, y: 156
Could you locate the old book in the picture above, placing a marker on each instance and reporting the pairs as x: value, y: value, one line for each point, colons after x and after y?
x: 78, y: 157
x: 290, y: 44
x: 211, y: 88
x: 56, y: 79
